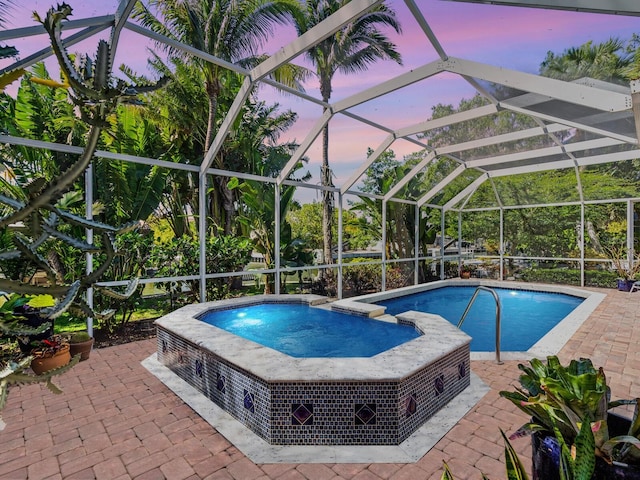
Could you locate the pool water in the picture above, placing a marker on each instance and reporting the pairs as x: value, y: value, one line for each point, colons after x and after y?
x: 307, y: 332
x: 526, y: 315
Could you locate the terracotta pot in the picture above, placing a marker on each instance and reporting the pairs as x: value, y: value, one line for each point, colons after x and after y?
x: 82, y: 348
x: 40, y: 365
x: 465, y: 274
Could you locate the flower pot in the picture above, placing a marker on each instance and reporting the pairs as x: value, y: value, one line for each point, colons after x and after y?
x: 465, y: 274
x: 43, y: 364
x: 81, y: 348
x: 546, y: 456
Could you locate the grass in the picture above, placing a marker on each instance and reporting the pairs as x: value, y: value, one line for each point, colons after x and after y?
x: 147, y: 309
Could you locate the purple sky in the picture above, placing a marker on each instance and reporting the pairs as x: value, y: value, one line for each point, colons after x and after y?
x: 510, y: 37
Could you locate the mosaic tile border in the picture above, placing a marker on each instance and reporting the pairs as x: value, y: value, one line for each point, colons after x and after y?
x: 349, y: 403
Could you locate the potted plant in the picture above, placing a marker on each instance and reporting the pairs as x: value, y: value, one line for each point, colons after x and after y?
x: 627, y: 266
x: 466, y: 270
x: 50, y: 354
x: 574, y: 434
x: 81, y: 343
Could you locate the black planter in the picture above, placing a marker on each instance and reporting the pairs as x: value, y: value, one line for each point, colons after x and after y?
x: 546, y: 456
x: 32, y: 319
x: 625, y: 285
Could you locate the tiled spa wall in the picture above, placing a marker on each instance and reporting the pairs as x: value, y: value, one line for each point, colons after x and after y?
x: 320, y: 413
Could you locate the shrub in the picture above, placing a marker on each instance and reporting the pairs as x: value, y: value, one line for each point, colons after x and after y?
x: 179, y: 257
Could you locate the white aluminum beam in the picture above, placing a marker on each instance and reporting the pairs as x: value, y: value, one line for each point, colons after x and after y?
x: 382, y: 128
x: 122, y: 157
x: 411, y: 174
x: 562, y: 164
x: 608, y: 158
x: 185, y: 48
x: 121, y: 16
x: 538, y: 167
x: 497, y: 139
x: 574, y: 124
x: 389, y: 86
x: 60, y: 147
x: 617, y: 7
x: 566, y: 91
x: 472, y: 187
x: 304, y: 146
x: 225, y: 127
x: 327, y: 27
x: 448, y: 120
x: 417, y: 14
x: 367, y: 163
x: 104, y: 21
x: 440, y: 185
x: 47, y: 52
x: 543, y: 152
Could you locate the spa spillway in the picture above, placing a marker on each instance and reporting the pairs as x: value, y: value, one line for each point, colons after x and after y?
x: 377, y: 400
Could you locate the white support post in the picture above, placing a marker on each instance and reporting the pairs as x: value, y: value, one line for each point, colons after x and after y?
x: 630, y: 249
x: 88, y: 196
x: 501, y: 243
x: 340, y: 237
x: 442, y: 243
x: 383, y: 255
x: 416, y: 244
x: 202, y: 237
x: 277, y: 239
x: 459, y: 240
x: 582, y: 243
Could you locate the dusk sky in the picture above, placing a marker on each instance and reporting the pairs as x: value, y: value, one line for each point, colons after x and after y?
x: 510, y: 37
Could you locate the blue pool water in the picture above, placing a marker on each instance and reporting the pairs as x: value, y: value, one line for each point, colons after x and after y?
x: 526, y: 315
x: 307, y: 332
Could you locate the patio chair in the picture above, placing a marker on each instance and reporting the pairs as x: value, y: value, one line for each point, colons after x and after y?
x: 635, y: 286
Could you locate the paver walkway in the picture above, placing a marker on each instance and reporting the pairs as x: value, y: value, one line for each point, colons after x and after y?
x: 117, y: 421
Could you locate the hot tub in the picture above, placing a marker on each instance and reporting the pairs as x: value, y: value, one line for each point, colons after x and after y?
x: 378, y: 400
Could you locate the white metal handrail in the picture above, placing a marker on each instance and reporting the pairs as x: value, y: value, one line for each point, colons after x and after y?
x: 498, y: 315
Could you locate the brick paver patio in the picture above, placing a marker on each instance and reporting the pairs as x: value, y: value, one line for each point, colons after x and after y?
x: 115, y: 420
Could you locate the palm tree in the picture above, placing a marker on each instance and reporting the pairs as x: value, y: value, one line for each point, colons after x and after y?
x: 232, y: 30
x: 350, y: 50
x: 6, y: 51
x: 604, y: 61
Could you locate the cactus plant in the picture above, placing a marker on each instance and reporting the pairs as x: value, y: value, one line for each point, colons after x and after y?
x: 96, y: 95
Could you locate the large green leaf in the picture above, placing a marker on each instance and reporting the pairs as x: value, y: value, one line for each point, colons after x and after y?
x: 515, y: 469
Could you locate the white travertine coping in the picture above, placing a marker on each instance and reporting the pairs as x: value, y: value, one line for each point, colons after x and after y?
x: 438, y: 339
x: 549, y: 344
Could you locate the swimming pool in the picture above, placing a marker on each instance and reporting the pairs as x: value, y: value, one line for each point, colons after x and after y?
x: 375, y: 400
x: 302, y: 331
x: 550, y: 343
x: 527, y: 315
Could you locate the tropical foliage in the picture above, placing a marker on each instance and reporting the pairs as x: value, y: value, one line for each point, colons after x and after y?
x: 33, y: 219
x: 571, y: 404
x: 231, y: 31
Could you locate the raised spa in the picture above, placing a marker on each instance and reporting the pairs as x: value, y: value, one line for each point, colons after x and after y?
x: 286, y: 400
